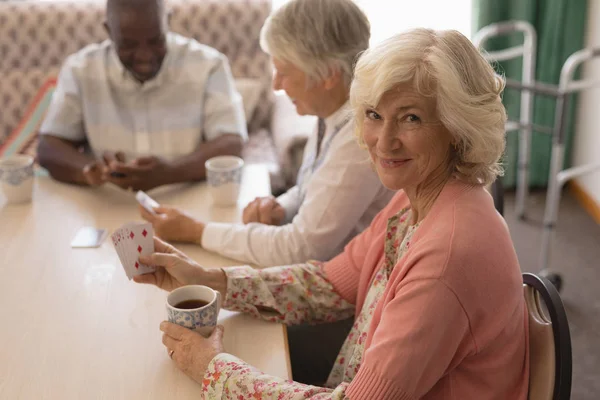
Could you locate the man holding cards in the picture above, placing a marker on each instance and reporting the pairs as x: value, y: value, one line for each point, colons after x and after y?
x: 145, y: 108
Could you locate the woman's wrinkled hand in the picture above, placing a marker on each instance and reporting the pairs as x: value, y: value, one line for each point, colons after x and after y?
x: 173, y: 268
x: 191, y: 352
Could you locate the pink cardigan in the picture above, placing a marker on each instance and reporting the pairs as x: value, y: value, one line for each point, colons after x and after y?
x: 452, y: 322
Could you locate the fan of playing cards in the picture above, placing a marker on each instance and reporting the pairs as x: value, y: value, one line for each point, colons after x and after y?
x: 131, y: 241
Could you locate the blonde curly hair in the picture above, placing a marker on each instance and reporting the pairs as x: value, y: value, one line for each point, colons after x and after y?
x: 446, y: 66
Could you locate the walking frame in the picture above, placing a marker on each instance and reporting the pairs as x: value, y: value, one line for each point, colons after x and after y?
x: 558, y: 175
x: 527, y: 51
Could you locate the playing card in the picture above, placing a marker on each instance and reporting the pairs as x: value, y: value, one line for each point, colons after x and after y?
x: 123, y: 249
x: 89, y: 237
x: 146, y: 201
x: 118, y: 242
x: 131, y: 241
x: 142, y: 236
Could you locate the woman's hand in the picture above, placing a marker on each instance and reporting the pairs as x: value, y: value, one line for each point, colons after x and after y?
x: 191, y: 352
x: 173, y: 225
x: 265, y: 210
x: 175, y: 269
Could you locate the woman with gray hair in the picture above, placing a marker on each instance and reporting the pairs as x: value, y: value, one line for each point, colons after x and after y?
x: 313, y: 44
x: 434, y: 282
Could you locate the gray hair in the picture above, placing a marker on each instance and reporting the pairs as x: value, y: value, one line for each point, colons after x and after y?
x: 317, y: 36
x: 446, y: 66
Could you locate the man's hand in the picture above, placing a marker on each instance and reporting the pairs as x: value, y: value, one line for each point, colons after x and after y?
x: 143, y: 173
x: 265, y: 210
x: 94, y: 173
x: 66, y: 161
x: 111, y: 158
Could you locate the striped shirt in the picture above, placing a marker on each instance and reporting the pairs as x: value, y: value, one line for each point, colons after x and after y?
x: 191, y: 100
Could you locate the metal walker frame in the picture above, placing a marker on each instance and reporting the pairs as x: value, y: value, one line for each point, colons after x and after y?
x: 527, y: 51
x: 558, y: 176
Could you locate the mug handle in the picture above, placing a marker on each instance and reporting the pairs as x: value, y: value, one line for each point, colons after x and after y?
x: 219, y: 300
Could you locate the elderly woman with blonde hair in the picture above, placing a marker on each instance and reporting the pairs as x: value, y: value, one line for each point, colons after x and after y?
x: 434, y: 282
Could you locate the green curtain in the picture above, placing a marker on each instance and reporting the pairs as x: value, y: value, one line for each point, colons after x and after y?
x: 560, y: 27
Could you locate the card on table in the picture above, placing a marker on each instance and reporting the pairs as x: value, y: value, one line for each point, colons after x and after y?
x: 131, y: 241
x: 146, y: 201
x: 88, y: 236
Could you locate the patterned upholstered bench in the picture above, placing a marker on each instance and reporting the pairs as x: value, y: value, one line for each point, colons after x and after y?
x: 35, y: 38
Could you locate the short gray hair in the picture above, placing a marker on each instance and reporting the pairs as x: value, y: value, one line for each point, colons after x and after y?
x: 446, y: 66
x: 317, y: 36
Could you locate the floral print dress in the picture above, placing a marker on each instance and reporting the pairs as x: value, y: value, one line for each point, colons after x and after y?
x: 296, y: 294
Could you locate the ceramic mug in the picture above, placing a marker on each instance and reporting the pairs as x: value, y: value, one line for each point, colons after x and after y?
x: 202, y: 319
x: 16, y: 178
x: 224, y: 177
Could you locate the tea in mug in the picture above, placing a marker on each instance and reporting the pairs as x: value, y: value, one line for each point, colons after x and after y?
x: 191, y: 304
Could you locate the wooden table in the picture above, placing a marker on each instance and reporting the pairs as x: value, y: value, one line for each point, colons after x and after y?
x: 73, y: 327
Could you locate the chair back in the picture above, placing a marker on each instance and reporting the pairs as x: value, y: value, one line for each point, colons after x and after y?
x: 550, y: 362
x: 497, y: 192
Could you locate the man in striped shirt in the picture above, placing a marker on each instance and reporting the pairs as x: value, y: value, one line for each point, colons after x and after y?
x: 145, y: 108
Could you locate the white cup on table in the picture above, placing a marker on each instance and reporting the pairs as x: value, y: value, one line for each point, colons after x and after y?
x: 16, y: 178
x: 224, y: 177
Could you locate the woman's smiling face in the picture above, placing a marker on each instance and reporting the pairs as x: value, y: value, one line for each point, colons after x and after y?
x: 406, y: 141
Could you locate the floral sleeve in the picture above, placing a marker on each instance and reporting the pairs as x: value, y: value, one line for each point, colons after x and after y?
x: 292, y: 294
x: 228, y: 377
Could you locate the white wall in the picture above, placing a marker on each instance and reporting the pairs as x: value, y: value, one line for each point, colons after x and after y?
x: 389, y: 17
x: 587, y: 135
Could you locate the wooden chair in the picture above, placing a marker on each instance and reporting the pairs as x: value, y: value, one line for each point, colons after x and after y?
x: 549, y: 341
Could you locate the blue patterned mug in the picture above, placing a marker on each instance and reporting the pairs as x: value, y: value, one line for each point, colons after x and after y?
x: 224, y: 177
x: 194, y: 307
x: 16, y: 178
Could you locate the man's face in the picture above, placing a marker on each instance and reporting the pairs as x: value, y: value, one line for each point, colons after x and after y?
x: 140, y: 40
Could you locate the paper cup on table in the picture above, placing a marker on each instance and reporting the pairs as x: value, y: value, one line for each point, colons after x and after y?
x: 16, y: 178
x: 195, y: 307
x: 224, y: 177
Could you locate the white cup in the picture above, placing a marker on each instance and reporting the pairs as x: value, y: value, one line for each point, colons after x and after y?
x: 224, y: 177
x: 16, y: 178
x: 202, y: 319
